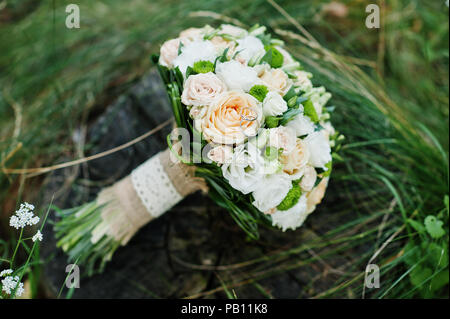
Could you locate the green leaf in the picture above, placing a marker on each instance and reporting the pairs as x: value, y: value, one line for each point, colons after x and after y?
x: 440, y: 280
x: 310, y: 111
x: 434, y: 227
x: 328, y: 165
x: 420, y: 274
x: 416, y: 225
x: 289, y: 115
x: 271, y: 121
x: 290, y: 94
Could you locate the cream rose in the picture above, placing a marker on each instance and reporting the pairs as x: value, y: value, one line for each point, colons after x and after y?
x: 303, y: 80
x: 192, y: 34
x: 282, y: 137
x: 232, y: 117
x: 276, y: 80
x: 274, y: 104
x: 202, y: 89
x: 308, y: 179
x: 169, y: 52
x: 294, y: 162
x: 220, y: 154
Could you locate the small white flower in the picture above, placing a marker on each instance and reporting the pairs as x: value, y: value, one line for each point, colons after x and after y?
x: 10, y: 283
x: 301, y: 124
x: 291, y: 218
x: 24, y: 217
x: 233, y: 31
x: 270, y: 191
x: 194, y: 52
x: 6, y: 272
x: 237, y: 76
x: 319, y: 149
x: 37, y: 236
x: 274, y: 104
x: 249, y: 47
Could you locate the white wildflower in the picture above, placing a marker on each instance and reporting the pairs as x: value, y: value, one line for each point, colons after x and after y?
x: 5, y: 272
x: 24, y: 217
x: 37, y: 236
x: 10, y: 283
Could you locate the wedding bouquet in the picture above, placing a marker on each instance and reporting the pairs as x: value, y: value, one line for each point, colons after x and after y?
x: 251, y: 130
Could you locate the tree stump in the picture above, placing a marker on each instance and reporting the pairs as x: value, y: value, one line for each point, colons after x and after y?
x: 175, y: 255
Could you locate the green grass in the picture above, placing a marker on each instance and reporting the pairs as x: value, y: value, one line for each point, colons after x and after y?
x: 392, y: 107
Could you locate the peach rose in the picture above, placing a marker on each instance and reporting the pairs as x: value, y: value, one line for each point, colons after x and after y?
x: 295, y: 161
x: 315, y: 196
x: 202, y: 89
x: 232, y: 117
x: 169, y: 51
x: 276, y: 80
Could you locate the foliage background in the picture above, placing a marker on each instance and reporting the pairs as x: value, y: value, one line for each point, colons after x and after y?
x: 390, y: 89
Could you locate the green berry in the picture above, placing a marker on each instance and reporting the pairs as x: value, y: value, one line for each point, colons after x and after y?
x: 259, y: 92
x: 203, y: 67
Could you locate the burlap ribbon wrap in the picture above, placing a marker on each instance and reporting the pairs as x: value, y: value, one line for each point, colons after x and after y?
x: 147, y: 193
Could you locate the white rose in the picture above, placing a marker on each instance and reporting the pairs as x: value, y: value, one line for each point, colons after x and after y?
x: 309, y: 178
x: 248, y: 47
x: 291, y: 218
x: 232, y: 118
x: 198, y: 112
x: 276, y: 80
x: 282, y: 137
x: 202, y: 89
x: 236, y: 76
x: 169, y: 52
x: 194, y: 52
x: 220, y: 154
x: 301, y: 124
x: 295, y: 161
x: 319, y: 149
x: 274, y: 104
x: 233, y: 31
x: 242, y: 170
x: 271, y: 191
